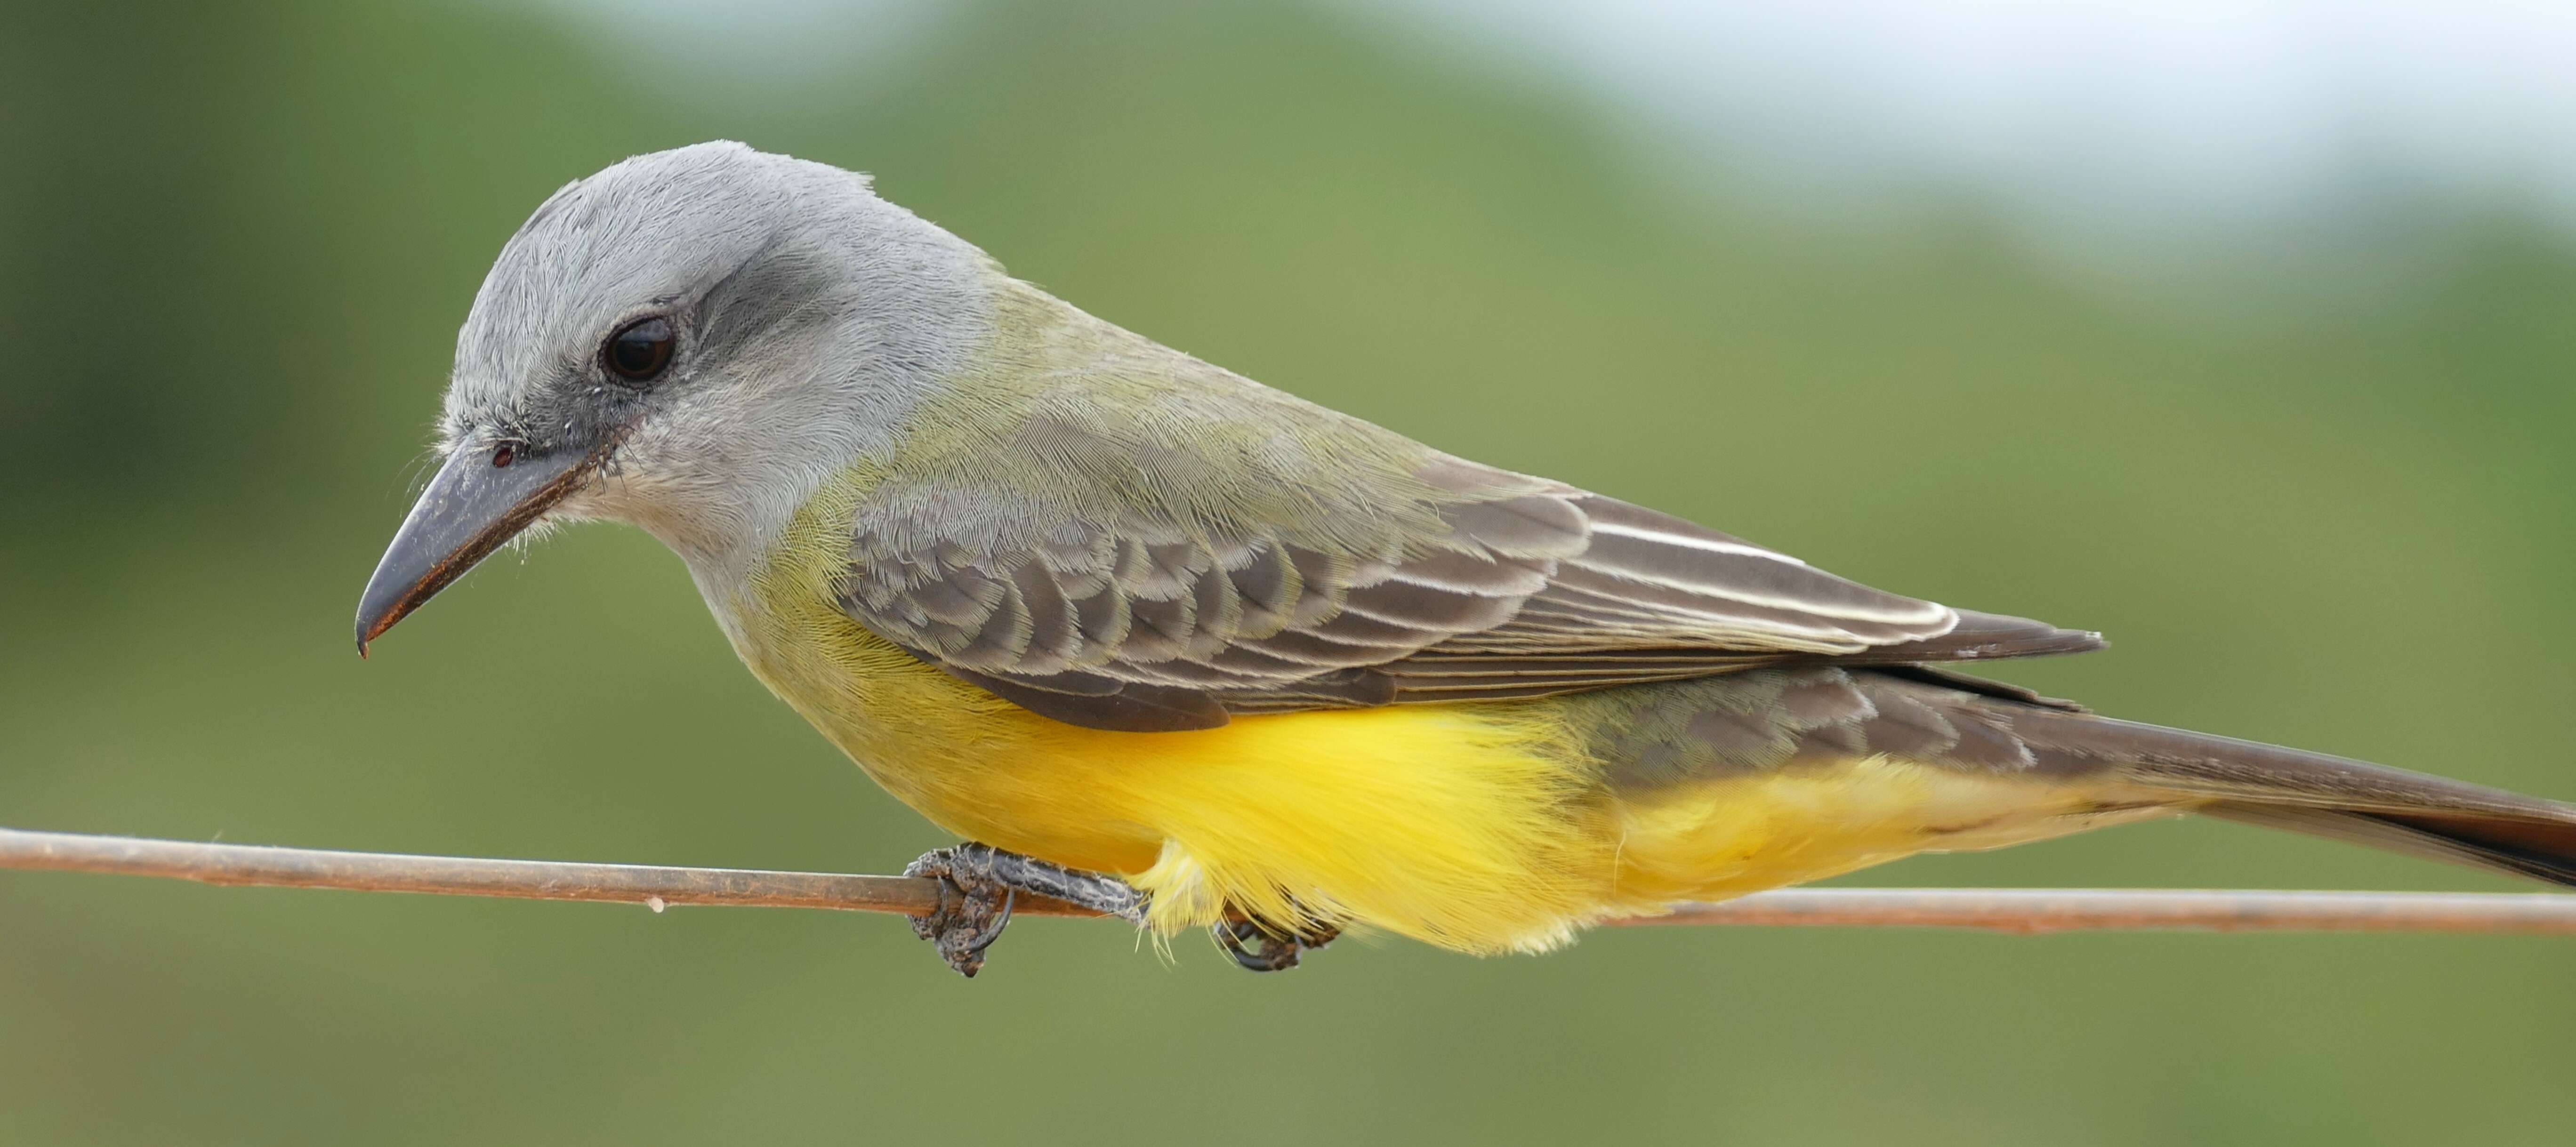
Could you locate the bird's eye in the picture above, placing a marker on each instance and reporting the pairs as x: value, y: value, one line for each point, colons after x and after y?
x: 639, y: 350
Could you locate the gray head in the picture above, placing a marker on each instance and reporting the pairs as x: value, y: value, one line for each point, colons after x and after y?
x: 691, y: 341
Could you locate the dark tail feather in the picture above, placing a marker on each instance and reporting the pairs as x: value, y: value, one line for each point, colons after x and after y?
x: 2318, y: 794
x: 2542, y: 850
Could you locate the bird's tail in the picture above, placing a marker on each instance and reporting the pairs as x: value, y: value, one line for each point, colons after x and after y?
x: 2315, y: 793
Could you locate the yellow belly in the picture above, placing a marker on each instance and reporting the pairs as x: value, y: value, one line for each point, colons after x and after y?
x: 1479, y: 827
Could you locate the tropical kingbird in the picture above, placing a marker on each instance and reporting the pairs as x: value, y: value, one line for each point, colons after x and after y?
x: 1165, y: 642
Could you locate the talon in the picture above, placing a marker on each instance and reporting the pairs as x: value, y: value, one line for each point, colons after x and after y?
x: 1259, y: 949
x: 973, y: 908
x: 979, y: 885
x: 993, y: 931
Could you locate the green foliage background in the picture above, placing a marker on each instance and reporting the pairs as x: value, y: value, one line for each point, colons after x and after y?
x: 235, y: 242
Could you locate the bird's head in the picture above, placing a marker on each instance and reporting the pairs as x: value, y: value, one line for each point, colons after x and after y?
x: 690, y: 341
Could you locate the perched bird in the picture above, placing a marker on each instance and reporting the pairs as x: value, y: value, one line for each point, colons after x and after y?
x: 1165, y: 642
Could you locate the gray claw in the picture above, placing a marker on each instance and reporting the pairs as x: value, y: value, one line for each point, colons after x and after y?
x: 1260, y: 949
x: 978, y: 884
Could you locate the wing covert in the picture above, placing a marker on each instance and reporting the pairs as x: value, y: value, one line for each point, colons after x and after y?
x: 1479, y: 585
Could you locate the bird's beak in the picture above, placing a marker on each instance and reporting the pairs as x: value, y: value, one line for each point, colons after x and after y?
x: 479, y: 500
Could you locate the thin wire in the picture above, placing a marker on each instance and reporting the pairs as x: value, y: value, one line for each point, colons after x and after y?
x: 2020, y: 910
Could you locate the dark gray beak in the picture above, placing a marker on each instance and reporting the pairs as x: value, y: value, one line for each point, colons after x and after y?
x: 478, y: 501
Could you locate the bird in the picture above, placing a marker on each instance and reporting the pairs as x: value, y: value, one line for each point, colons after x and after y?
x: 1159, y: 641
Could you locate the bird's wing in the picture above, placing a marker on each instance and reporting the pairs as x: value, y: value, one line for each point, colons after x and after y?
x: 1465, y: 583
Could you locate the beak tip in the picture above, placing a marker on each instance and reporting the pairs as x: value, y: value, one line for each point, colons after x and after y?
x: 373, y: 621
x: 374, y: 618
x: 469, y: 510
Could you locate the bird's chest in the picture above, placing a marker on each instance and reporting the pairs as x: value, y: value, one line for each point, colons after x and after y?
x: 971, y: 762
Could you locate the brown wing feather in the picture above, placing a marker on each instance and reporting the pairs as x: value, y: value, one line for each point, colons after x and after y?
x: 1508, y: 587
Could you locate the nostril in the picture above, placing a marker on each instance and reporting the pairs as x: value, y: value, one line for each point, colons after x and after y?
x: 502, y: 455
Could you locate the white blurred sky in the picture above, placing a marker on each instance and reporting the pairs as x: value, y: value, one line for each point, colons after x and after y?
x: 2227, y: 106
x: 2106, y: 132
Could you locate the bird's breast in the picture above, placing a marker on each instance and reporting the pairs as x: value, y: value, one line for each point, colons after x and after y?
x: 1475, y: 826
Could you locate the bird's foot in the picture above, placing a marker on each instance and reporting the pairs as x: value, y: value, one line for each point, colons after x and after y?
x: 1260, y: 948
x: 978, y: 884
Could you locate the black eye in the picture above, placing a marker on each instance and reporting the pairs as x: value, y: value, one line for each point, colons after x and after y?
x: 639, y: 350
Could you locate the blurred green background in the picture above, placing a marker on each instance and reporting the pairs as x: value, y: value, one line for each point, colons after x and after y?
x: 235, y: 242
